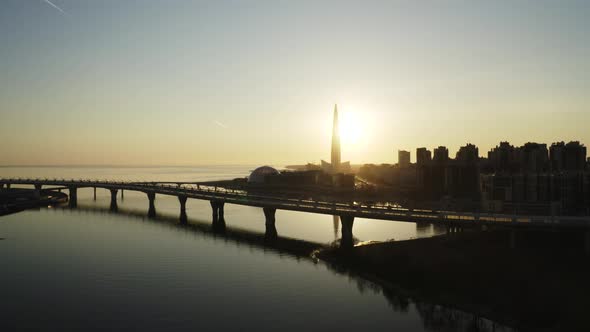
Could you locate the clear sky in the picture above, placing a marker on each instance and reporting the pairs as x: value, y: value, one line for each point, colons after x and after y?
x: 175, y: 82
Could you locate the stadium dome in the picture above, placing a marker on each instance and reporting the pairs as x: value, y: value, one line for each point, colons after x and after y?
x: 258, y: 175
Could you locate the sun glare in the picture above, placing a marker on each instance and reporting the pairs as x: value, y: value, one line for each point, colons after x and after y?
x: 352, y: 128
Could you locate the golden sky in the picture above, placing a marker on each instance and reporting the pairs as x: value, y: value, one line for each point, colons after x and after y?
x: 184, y: 83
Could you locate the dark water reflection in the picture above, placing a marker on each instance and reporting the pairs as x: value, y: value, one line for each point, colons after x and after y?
x: 94, y: 269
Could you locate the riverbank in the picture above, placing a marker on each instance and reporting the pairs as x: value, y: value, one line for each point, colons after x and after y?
x: 540, y: 285
x: 16, y: 200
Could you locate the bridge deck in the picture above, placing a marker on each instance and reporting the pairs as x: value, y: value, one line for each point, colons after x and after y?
x: 205, y: 191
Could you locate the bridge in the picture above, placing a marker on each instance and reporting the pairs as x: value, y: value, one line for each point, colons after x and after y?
x: 218, y: 196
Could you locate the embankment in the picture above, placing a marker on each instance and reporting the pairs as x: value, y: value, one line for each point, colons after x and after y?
x: 543, y: 284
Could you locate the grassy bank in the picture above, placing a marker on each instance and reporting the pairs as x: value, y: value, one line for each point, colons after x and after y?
x: 542, y: 284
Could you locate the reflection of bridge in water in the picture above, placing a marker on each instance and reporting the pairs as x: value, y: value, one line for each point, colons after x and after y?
x: 346, y: 210
x: 435, y: 317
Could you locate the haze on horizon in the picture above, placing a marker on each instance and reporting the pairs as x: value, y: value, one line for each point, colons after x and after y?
x: 234, y: 82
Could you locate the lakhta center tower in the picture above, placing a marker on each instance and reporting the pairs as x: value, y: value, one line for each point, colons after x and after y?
x: 336, y: 166
x: 335, y: 142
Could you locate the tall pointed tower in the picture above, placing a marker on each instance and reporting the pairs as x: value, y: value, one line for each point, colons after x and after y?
x: 335, y: 142
x: 336, y: 165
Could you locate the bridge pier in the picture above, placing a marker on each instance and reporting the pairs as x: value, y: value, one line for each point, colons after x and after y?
x: 38, y: 188
x: 182, y: 200
x: 114, y: 206
x: 346, y: 242
x: 95, y: 193
x: 152, y: 209
x: 270, y: 223
x: 73, y: 197
x: 8, y: 186
x: 450, y: 229
x: 218, y: 217
x: 122, y: 195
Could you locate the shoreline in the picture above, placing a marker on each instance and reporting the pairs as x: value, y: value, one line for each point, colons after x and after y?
x: 528, y: 288
x: 17, y: 200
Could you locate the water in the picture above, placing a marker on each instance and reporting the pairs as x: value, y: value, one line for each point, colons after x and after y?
x: 90, y: 269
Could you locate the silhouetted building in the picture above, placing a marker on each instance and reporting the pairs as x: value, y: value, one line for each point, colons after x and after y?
x: 468, y: 154
x: 575, y: 156
x: 441, y: 155
x: 403, y: 158
x: 533, y: 157
x: 462, y: 176
x: 530, y: 179
x: 261, y: 174
x: 536, y: 193
x: 438, y: 171
x: 502, y: 158
x: 335, y: 166
x: 423, y: 156
x: 567, y: 157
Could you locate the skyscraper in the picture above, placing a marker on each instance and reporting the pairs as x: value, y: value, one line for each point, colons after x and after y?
x: 423, y: 156
x: 335, y: 142
x: 403, y: 158
x: 336, y: 165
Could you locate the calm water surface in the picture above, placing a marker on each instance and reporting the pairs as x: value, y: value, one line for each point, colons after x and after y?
x: 88, y: 268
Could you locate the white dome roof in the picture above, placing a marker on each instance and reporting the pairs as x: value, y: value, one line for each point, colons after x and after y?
x: 258, y: 175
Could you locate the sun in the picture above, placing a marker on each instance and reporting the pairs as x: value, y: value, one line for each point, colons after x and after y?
x: 352, y: 128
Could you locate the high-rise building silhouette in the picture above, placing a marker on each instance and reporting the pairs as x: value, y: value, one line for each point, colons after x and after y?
x: 441, y: 155
x: 403, y: 158
x: 336, y: 165
x: 503, y: 158
x: 423, y: 156
x: 567, y: 157
x: 335, y: 141
x: 533, y: 157
x: 468, y: 154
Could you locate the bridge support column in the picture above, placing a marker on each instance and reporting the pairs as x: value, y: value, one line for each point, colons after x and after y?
x: 1, y: 185
x: 8, y: 186
x: 122, y: 195
x: 152, y: 209
x: 114, y: 206
x: 95, y: 193
x: 346, y: 242
x: 270, y: 223
x: 221, y: 212
x: 73, y: 198
x: 182, y: 200
x: 218, y: 215
x: 38, y: 188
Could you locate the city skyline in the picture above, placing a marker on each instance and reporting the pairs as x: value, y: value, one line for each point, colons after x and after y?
x: 124, y: 83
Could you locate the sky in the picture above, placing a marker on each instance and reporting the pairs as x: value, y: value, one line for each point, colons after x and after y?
x: 145, y: 82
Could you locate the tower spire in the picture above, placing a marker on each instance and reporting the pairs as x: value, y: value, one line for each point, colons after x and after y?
x: 335, y: 142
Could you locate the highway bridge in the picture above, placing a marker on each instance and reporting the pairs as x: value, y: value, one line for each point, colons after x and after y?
x: 347, y: 210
